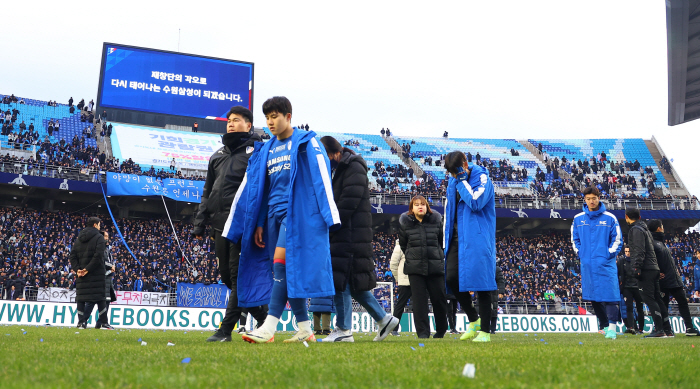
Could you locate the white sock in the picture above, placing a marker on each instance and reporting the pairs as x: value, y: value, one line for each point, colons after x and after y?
x: 612, y: 327
x: 270, y: 324
x: 305, y: 326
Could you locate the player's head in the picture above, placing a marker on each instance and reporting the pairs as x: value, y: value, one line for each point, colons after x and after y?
x: 240, y: 119
x: 454, y: 161
x: 106, y: 235
x: 419, y: 206
x: 655, y: 225
x: 627, y: 250
x: 591, y: 196
x: 278, y: 114
x: 632, y: 215
x: 93, y: 221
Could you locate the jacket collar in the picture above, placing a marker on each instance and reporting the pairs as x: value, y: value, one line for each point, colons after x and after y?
x: 589, y: 213
x: 658, y: 236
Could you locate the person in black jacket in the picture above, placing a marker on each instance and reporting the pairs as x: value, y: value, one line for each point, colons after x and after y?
x: 495, y: 296
x: 352, y: 256
x: 630, y: 292
x: 87, y: 259
x: 110, y: 294
x: 646, y: 269
x: 670, y: 278
x: 227, y: 167
x: 420, y: 237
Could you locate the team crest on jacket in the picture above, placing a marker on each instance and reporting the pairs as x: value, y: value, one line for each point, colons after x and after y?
x: 249, y: 149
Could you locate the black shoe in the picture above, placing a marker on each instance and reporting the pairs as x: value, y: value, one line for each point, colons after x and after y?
x: 326, y: 332
x: 631, y: 331
x: 395, y: 333
x: 106, y: 327
x: 318, y: 332
x: 82, y: 324
x: 670, y: 334
x: 219, y: 336
x: 691, y: 332
x: 656, y: 334
x: 242, y: 330
x: 454, y: 332
x: 438, y: 335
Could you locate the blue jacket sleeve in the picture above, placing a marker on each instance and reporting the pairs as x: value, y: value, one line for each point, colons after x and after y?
x: 615, y: 238
x: 575, y: 241
x: 321, y: 173
x: 476, y: 198
x: 264, y: 207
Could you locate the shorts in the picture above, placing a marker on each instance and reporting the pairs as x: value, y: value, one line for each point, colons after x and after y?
x: 276, y: 233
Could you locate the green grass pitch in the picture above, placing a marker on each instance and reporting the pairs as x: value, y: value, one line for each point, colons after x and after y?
x: 116, y: 359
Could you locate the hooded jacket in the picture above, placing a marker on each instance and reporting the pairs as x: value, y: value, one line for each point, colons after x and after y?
x: 597, y: 239
x: 227, y: 166
x: 475, y: 216
x: 421, y: 243
x: 642, y: 254
x: 88, y: 253
x: 672, y: 279
x: 396, y: 265
x: 311, y: 211
x: 351, y: 245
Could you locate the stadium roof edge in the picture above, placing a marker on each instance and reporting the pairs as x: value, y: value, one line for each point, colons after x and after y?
x: 683, y: 52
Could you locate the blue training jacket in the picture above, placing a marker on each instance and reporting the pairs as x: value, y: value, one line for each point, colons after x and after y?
x: 597, y: 240
x: 311, y: 212
x: 476, y: 229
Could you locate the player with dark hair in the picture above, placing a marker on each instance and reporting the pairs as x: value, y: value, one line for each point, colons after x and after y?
x: 596, y: 238
x: 669, y: 277
x: 87, y: 259
x: 470, y: 241
x: 226, y: 171
x: 646, y: 269
x: 282, y: 212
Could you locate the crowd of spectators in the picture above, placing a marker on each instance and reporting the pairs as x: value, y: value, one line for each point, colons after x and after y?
x: 35, y: 247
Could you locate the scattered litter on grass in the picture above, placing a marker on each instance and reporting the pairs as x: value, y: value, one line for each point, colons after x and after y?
x: 143, y: 343
x: 139, y: 340
x: 77, y: 332
x: 171, y: 343
x: 186, y: 360
x: 580, y: 342
x: 469, y: 370
x: 319, y: 340
x: 413, y: 348
x: 97, y: 340
x: 546, y: 343
x: 24, y: 333
x: 527, y: 335
x: 541, y: 340
x: 421, y: 345
x: 41, y: 340
x: 306, y: 344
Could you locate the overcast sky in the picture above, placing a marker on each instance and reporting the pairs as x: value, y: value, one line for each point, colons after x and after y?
x: 505, y: 69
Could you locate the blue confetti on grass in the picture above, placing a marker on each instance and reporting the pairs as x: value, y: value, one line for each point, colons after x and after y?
x: 541, y: 340
x: 186, y: 360
x: 421, y: 345
x: 546, y: 343
x: 413, y: 348
x: 41, y: 340
x: 139, y: 340
x: 527, y: 335
x: 580, y: 342
x: 24, y: 332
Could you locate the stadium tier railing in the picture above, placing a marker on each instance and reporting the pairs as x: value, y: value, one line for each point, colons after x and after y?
x: 77, y: 173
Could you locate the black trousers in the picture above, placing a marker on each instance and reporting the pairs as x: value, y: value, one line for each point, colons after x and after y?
x: 452, y: 313
x: 632, y: 296
x: 651, y: 294
x: 465, y: 298
x: 421, y: 287
x: 404, y: 295
x: 679, y: 295
x: 85, y: 310
x: 228, y: 255
x: 494, y: 311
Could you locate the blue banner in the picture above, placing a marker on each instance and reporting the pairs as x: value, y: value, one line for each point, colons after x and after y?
x: 134, y: 185
x: 51, y: 183
x: 202, y: 296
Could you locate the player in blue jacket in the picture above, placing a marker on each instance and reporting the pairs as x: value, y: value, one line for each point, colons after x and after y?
x: 470, y: 241
x: 282, y: 212
x: 596, y: 237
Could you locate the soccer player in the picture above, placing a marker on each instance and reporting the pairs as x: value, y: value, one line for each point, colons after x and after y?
x: 227, y: 167
x: 596, y: 238
x: 283, y: 211
x: 470, y: 241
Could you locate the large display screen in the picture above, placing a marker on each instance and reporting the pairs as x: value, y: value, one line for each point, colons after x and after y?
x: 170, y: 83
x: 154, y: 146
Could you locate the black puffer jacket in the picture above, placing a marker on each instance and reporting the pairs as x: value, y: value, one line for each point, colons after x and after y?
x: 226, y: 170
x: 625, y: 274
x: 641, y: 246
x: 421, y: 243
x: 667, y: 266
x: 351, y: 245
x: 88, y: 253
